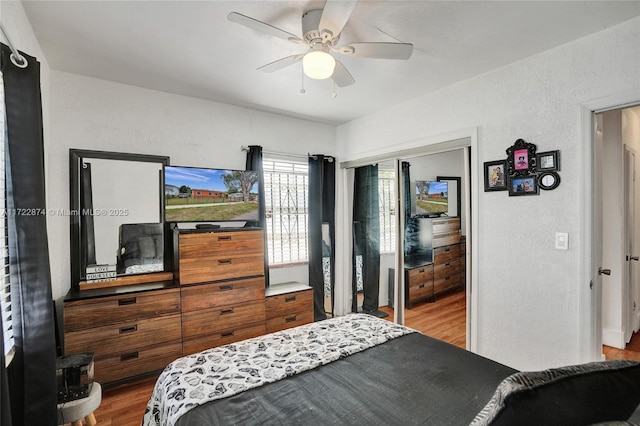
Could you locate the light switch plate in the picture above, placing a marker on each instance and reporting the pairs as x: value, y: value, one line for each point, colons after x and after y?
x: 562, y: 240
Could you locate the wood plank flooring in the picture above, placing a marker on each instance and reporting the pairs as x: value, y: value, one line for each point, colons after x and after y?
x: 445, y: 319
x: 632, y: 351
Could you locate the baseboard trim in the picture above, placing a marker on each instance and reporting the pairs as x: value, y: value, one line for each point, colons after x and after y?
x: 613, y: 338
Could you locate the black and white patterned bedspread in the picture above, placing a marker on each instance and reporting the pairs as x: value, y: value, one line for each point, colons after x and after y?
x: 227, y: 370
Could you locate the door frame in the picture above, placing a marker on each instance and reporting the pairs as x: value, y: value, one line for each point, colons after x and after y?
x: 631, y: 268
x: 589, y: 284
x: 462, y: 138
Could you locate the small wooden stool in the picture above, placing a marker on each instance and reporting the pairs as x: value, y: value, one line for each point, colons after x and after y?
x: 75, y: 411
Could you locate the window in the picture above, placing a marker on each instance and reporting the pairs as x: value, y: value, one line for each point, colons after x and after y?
x: 386, y: 191
x: 286, y: 185
x: 5, y: 284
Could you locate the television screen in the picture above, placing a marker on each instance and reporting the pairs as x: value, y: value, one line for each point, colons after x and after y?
x: 432, y: 198
x: 194, y: 194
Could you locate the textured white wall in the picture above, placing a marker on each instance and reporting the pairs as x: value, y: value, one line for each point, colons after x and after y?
x: 96, y: 114
x: 527, y: 292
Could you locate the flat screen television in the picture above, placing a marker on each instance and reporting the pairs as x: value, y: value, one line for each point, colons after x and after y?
x: 432, y: 198
x: 195, y: 194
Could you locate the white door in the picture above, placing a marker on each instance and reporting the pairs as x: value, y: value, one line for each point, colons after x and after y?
x: 630, y: 278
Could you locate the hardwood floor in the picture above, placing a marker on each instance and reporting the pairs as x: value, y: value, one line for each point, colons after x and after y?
x: 125, y: 405
x: 632, y: 351
x: 445, y: 319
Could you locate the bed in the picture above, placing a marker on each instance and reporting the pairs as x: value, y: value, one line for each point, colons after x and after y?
x: 361, y: 370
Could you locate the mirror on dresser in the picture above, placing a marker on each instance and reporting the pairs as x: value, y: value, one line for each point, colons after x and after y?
x: 117, y: 211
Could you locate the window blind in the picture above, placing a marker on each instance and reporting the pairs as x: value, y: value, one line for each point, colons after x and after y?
x: 386, y: 192
x: 286, y: 186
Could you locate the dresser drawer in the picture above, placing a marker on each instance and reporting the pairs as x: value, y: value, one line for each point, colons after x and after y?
x: 213, y: 320
x: 448, y: 282
x: 199, y: 343
x: 215, y: 295
x: 219, y: 256
x: 100, y: 311
x: 446, y: 225
x: 293, y: 319
x: 126, y: 364
x: 420, y: 274
x: 289, y: 303
x: 446, y: 238
x: 126, y: 336
x: 445, y: 254
x: 421, y: 290
x: 450, y: 267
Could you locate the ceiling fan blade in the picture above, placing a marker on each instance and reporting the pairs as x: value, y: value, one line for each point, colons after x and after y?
x: 263, y: 27
x: 281, y: 63
x: 341, y: 76
x: 335, y: 15
x: 378, y: 50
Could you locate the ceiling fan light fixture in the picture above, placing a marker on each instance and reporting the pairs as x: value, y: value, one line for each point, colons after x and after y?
x: 318, y: 64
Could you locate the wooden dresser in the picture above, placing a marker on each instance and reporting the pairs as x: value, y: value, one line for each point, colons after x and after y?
x: 449, y: 258
x: 130, y: 334
x: 288, y: 305
x: 222, y: 286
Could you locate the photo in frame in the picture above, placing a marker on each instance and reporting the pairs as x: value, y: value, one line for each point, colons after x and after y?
x: 521, y: 158
x: 495, y: 177
x: 548, y: 161
x: 523, y: 185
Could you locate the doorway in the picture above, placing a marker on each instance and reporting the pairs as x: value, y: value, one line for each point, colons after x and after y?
x: 616, y: 141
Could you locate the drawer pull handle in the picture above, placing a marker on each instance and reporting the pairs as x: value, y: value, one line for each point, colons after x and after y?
x: 127, y: 357
x: 129, y: 301
x: 447, y: 264
x: 224, y: 238
x: 226, y: 287
x: 447, y: 250
x: 290, y: 319
x: 224, y: 262
x: 447, y: 278
x: 421, y: 270
x: 421, y: 286
x: 226, y: 311
x: 289, y: 299
x: 129, y: 329
x: 226, y: 334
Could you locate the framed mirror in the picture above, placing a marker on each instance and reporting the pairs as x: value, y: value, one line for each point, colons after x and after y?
x: 455, y: 201
x: 117, y: 220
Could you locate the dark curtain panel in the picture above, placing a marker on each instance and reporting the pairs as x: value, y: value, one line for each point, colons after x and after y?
x: 87, y: 228
x: 254, y: 163
x: 32, y: 378
x: 408, y: 225
x: 366, y: 234
x: 322, y: 184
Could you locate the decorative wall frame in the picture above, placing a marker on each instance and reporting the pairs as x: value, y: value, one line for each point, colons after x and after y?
x: 548, y: 161
x: 495, y: 176
x: 548, y: 180
x: 521, y: 158
x: 523, y: 185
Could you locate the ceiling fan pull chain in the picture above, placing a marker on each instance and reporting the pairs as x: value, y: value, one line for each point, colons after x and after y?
x: 334, y: 94
x: 302, y: 81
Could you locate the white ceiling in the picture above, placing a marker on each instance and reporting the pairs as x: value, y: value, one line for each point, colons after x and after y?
x: 191, y: 48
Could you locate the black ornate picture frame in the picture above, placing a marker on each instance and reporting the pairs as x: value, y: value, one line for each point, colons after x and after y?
x: 521, y: 159
x: 495, y: 175
x: 523, y: 185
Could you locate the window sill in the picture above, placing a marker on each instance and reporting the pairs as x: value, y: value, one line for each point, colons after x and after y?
x: 288, y: 265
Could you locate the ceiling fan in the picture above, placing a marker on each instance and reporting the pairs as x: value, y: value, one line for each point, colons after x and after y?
x: 321, y: 30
